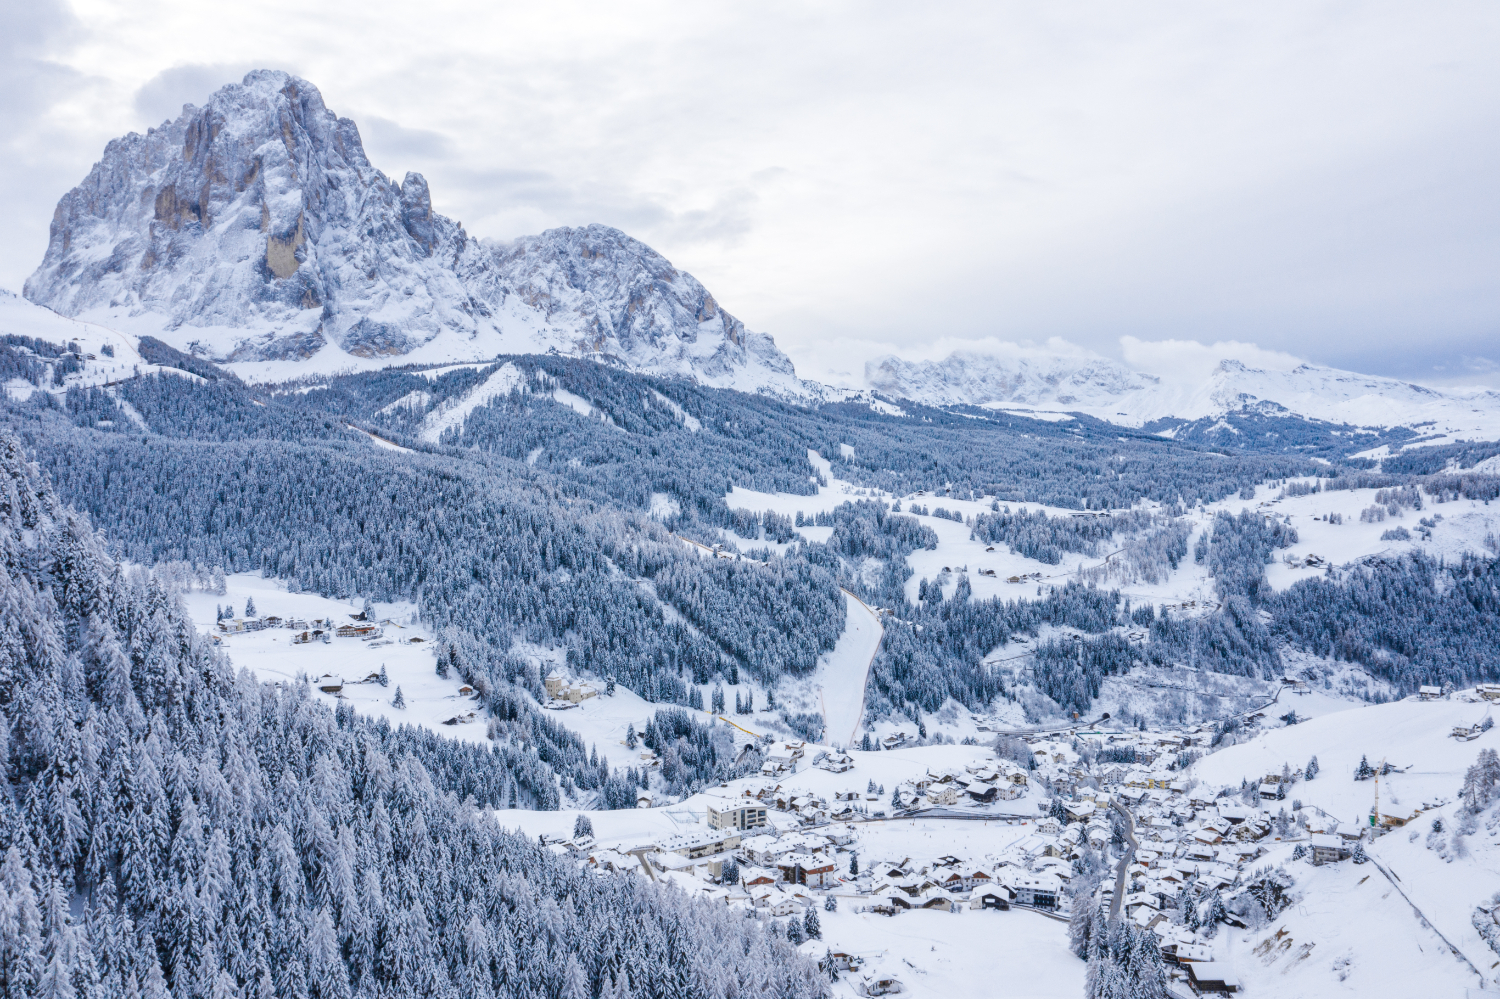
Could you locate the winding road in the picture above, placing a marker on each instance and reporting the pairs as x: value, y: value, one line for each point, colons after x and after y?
x: 1117, y: 904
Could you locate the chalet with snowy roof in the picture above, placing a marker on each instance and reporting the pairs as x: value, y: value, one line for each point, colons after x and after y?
x: 839, y: 835
x: 880, y: 983
x: 1328, y: 849
x: 836, y: 763
x: 1078, y: 811
x: 1039, y: 891
x: 1212, y: 977
x: 889, y: 902
x: 758, y: 878
x: 942, y: 794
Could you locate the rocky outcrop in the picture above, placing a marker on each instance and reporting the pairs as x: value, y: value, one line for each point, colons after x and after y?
x: 255, y: 228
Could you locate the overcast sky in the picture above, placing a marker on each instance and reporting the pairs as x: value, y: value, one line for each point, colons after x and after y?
x: 1320, y: 179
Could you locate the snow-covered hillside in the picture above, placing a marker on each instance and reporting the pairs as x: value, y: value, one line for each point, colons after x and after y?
x: 254, y: 230
x: 1367, y: 925
x: 1049, y: 384
x: 103, y: 355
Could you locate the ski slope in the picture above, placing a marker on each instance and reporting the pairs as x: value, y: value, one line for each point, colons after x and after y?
x: 843, y: 673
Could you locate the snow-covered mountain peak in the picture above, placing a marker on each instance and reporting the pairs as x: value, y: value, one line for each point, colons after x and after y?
x: 254, y: 230
x: 1060, y: 379
x: 1021, y: 377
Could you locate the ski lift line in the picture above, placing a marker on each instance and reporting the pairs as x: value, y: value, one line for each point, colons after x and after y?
x: 1395, y: 883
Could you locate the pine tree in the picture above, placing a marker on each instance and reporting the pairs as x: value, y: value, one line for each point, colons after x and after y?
x: 385, y: 681
x: 729, y: 872
x: 1359, y: 856
x: 250, y: 607
x: 1312, y: 769
x: 794, y: 933
x: 1081, y: 922
x: 831, y: 903
x: 630, y: 736
x: 810, y: 924
x: 1216, y: 914
x: 853, y: 862
x: 582, y: 826
x: 399, y: 701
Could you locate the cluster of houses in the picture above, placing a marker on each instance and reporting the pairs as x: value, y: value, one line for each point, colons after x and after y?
x: 307, y: 631
x: 1189, y: 840
x: 996, y: 780
x: 564, y: 692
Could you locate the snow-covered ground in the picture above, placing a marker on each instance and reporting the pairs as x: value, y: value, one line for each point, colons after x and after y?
x: 837, y: 685
x: 944, y: 955
x: 1351, y: 933
x: 430, y: 699
x: 1363, y: 934
x: 21, y: 318
x: 454, y: 412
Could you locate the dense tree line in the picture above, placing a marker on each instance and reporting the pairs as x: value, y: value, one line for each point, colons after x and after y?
x: 1411, y: 619
x: 1037, y: 536
x: 528, y: 520
x: 491, y: 549
x: 171, y: 828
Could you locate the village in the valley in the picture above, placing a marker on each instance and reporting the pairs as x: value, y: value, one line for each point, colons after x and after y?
x: 916, y: 863
x: 1008, y: 831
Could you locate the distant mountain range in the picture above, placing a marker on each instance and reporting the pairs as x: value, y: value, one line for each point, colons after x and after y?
x: 254, y: 232
x: 1234, y: 401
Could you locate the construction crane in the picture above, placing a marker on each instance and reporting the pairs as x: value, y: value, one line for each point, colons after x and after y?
x: 1375, y: 811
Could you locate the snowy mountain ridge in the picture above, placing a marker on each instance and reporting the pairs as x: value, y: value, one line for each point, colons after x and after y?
x: 255, y: 231
x: 1037, y: 383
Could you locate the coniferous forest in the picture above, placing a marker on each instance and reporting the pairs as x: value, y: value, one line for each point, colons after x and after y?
x: 174, y: 828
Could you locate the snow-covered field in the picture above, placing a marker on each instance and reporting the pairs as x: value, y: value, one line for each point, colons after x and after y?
x: 21, y: 318
x: 946, y: 955
x: 410, y: 666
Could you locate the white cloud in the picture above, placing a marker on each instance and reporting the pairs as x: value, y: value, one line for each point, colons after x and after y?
x: 1317, y: 178
x: 1189, y: 362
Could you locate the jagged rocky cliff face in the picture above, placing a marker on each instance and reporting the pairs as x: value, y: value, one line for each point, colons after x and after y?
x: 255, y: 228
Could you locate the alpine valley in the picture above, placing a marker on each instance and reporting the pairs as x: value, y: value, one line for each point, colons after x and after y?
x: 388, y: 612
